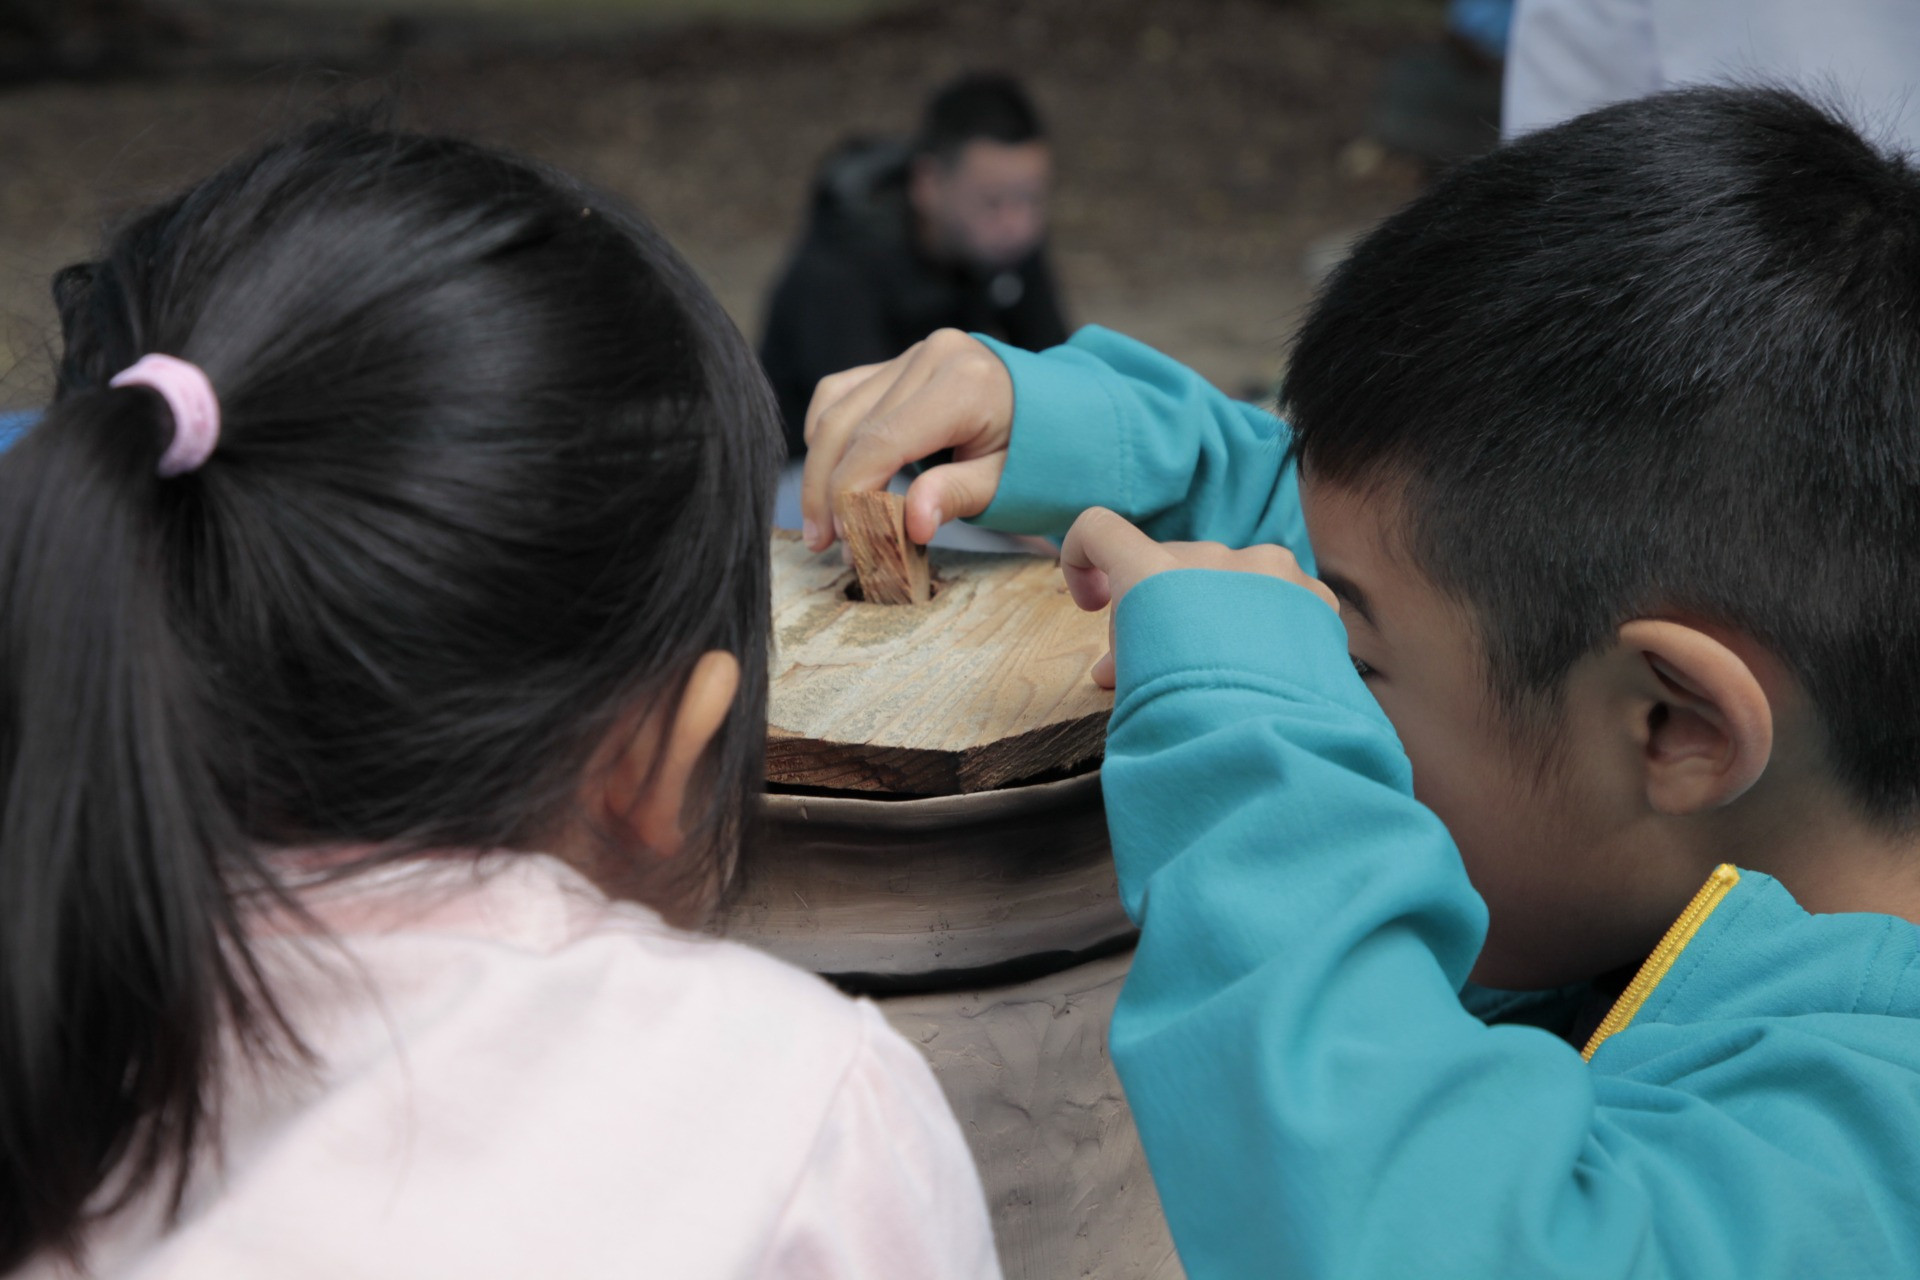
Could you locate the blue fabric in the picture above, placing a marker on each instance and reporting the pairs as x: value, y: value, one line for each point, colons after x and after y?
x: 13, y: 426
x: 1485, y: 24
x: 1223, y: 475
x: 1313, y: 1096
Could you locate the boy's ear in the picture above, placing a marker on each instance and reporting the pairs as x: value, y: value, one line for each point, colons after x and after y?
x: 1703, y: 719
x: 644, y: 790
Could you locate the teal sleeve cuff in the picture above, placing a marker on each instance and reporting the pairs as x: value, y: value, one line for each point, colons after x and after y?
x: 1065, y: 454
x: 1218, y: 627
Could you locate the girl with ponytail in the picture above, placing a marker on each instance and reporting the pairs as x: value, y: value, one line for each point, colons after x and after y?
x: 383, y: 616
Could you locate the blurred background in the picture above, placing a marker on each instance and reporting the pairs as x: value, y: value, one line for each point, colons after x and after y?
x: 1211, y: 156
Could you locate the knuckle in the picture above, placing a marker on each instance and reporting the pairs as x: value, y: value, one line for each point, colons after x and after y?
x: 838, y: 418
x: 1087, y: 525
x: 1278, y: 558
x: 828, y: 389
x: 956, y: 495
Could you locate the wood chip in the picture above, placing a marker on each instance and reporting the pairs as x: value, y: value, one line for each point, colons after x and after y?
x: 892, y: 568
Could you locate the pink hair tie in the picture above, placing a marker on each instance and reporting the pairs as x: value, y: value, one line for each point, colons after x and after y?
x: 189, y: 395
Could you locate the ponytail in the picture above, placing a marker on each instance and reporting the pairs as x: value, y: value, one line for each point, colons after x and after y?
x: 122, y: 959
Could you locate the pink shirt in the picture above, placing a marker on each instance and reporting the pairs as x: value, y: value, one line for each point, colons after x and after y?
x: 522, y: 1079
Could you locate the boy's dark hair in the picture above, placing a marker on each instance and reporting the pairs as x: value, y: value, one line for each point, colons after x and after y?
x: 982, y: 106
x: 494, y: 468
x: 1663, y: 359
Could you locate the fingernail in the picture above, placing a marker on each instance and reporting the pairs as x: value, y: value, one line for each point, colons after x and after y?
x: 810, y: 533
x: 939, y: 517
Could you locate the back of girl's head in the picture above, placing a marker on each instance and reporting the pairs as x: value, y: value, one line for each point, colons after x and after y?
x: 493, y: 469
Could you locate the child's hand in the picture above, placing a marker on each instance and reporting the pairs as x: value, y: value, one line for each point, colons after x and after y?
x: 1104, y: 557
x: 947, y: 392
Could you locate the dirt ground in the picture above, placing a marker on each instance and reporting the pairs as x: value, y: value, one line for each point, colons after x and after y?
x: 1206, y: 146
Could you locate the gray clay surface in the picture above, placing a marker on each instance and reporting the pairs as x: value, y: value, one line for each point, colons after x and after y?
x: 1027, y: 1071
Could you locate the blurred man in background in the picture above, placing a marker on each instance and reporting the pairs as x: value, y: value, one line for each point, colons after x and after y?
x: 947, y: 230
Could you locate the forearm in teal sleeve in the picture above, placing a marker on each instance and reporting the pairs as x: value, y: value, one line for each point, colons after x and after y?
x: 1107, y: 421
x: 1314, y: 1101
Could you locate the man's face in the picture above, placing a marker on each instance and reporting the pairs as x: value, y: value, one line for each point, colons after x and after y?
x: 989, y: 207
x: 1551, y: 832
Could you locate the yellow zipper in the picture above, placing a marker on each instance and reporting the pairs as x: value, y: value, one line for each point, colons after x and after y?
x: 1678, y: 935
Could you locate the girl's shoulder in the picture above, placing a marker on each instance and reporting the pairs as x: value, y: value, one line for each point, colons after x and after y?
x: 529, y: 935
x: 515, y: 1076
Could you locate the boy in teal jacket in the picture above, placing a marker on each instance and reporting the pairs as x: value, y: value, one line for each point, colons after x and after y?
x: 1609, y: 448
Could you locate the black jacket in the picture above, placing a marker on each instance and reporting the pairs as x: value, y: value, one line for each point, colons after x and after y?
x: 860, y: 290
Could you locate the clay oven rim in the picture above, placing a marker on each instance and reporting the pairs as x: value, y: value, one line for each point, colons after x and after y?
x: 940, y: 893
x: 883, y: 812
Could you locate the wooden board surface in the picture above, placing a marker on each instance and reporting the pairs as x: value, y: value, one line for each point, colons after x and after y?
x: 983, y: 686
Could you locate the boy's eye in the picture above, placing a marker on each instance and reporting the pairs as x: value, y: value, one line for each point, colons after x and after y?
x: 1360, y: 666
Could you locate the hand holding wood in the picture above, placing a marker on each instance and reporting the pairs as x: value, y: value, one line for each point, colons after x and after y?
x: 947, y: 392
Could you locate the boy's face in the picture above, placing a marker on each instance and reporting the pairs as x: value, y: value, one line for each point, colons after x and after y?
x: 1554, y: 834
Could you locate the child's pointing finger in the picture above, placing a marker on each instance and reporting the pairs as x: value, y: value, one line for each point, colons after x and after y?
x: 1104, y: 556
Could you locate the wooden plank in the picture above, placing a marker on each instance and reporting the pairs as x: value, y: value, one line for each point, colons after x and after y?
x: 983, y: 686
x: 892, y: 567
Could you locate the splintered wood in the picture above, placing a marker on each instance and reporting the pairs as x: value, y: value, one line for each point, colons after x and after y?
x: 983, y: 686
x: 892, y: 567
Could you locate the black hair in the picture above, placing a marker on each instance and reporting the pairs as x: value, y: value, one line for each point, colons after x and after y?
x: 980, y: 106
x: 494, y: 470
x: 1660, y: 360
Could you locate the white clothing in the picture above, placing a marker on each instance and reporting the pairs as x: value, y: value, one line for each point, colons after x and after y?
x: 1569, y: 56
x: 522, y: 1079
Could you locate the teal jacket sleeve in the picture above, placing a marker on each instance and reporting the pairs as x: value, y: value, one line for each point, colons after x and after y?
x: 1314, y: 1100
x: 1109, y: 422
